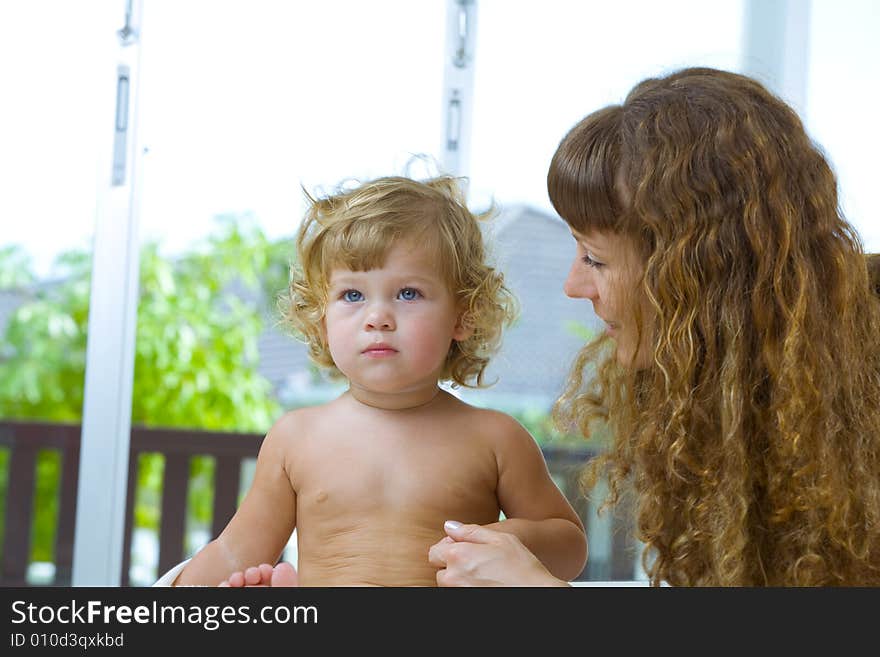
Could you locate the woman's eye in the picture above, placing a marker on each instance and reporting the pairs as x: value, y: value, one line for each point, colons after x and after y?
x: 352, y: 296
x: 590, y: 261
x: 408, y: 294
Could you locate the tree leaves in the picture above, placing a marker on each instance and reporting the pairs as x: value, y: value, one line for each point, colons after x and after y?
x: 196, y: 354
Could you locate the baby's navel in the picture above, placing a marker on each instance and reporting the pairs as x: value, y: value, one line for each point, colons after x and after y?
x: 321, y: 497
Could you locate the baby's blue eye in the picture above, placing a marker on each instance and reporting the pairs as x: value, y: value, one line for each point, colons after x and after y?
x: 352, y: 296
x: 408, y: 294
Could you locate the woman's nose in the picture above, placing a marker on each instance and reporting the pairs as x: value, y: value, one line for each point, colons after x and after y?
x: 579, y: 283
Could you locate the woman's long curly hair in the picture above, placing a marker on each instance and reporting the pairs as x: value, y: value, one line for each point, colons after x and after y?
x: 752, y: 441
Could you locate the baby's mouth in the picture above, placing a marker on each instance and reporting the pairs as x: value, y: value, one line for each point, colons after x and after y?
x: 379, y: 349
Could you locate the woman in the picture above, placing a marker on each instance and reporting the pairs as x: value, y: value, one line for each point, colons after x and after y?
x: 740, y: 369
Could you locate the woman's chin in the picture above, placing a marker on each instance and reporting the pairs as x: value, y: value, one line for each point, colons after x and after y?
x: 637, y: 362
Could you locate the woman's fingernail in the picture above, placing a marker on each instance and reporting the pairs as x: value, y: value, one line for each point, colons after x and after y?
x: 452, y: 524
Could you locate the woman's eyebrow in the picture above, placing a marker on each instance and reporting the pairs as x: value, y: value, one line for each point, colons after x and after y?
x: 592, y: 247
x: 584, y: 240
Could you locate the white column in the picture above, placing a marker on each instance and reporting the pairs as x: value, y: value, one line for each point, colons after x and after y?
x: 458, y: 86
x: 103, y: 467
x: 776, y: 48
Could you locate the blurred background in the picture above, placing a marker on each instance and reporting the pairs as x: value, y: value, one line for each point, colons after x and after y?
x: 196, y: 125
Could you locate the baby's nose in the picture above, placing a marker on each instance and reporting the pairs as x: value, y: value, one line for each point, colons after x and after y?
x: 380, y: 319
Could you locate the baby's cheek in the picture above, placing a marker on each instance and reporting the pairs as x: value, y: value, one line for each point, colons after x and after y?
x: 431, y: 344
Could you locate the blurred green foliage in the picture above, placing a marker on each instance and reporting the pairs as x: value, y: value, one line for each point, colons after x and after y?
x: 199, y: 318
x: 540, y: 423
x: 542, y: 427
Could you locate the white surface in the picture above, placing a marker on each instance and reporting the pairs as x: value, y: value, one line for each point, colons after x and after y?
x: 168, y: 578
x: 106, y: 424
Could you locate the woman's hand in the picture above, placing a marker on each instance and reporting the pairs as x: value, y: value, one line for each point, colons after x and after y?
x: 471, y: 555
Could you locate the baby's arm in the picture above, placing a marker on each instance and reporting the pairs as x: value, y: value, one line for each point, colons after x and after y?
x: 261, y: 526
x: 536, y: 510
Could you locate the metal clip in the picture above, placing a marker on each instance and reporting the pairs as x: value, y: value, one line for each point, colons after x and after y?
x: 120, y: 128
x: 453, y: 122
x: 127, y: 35
x: 461, y: 58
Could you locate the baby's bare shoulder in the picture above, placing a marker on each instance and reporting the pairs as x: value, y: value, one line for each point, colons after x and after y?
x: 495, y: 425
x: 297, y: 425
x: 513, y: 444
x: 295, y: 438
x: 291, y: 424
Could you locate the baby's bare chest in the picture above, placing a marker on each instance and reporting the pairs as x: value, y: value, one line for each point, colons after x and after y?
x: 413, y: 472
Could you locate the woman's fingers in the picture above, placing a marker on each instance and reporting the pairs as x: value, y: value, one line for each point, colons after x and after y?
x: 437, y: 552
x: 458, y: 536
x: 470, y: 533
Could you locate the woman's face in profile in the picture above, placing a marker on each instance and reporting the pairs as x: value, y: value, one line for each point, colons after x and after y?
x: 606, y: 270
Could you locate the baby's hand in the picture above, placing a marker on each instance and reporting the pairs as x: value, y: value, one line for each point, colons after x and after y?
x: 263, y: 575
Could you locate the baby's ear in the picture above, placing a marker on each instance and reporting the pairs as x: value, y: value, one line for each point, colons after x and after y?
x: 463, y: 327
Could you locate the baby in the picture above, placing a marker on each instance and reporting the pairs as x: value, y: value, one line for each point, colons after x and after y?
x: 392, y: 292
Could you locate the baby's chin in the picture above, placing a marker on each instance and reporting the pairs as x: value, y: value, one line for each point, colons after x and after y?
x: 391, y: 390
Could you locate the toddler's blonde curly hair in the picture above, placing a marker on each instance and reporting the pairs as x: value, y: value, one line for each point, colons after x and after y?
x: 356, y: 228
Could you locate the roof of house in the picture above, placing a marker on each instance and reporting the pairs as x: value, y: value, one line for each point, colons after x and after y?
x: 9, y: 301
x: 534, y: 250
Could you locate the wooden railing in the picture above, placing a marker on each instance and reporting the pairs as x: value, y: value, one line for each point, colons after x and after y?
x: 25, y: 440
